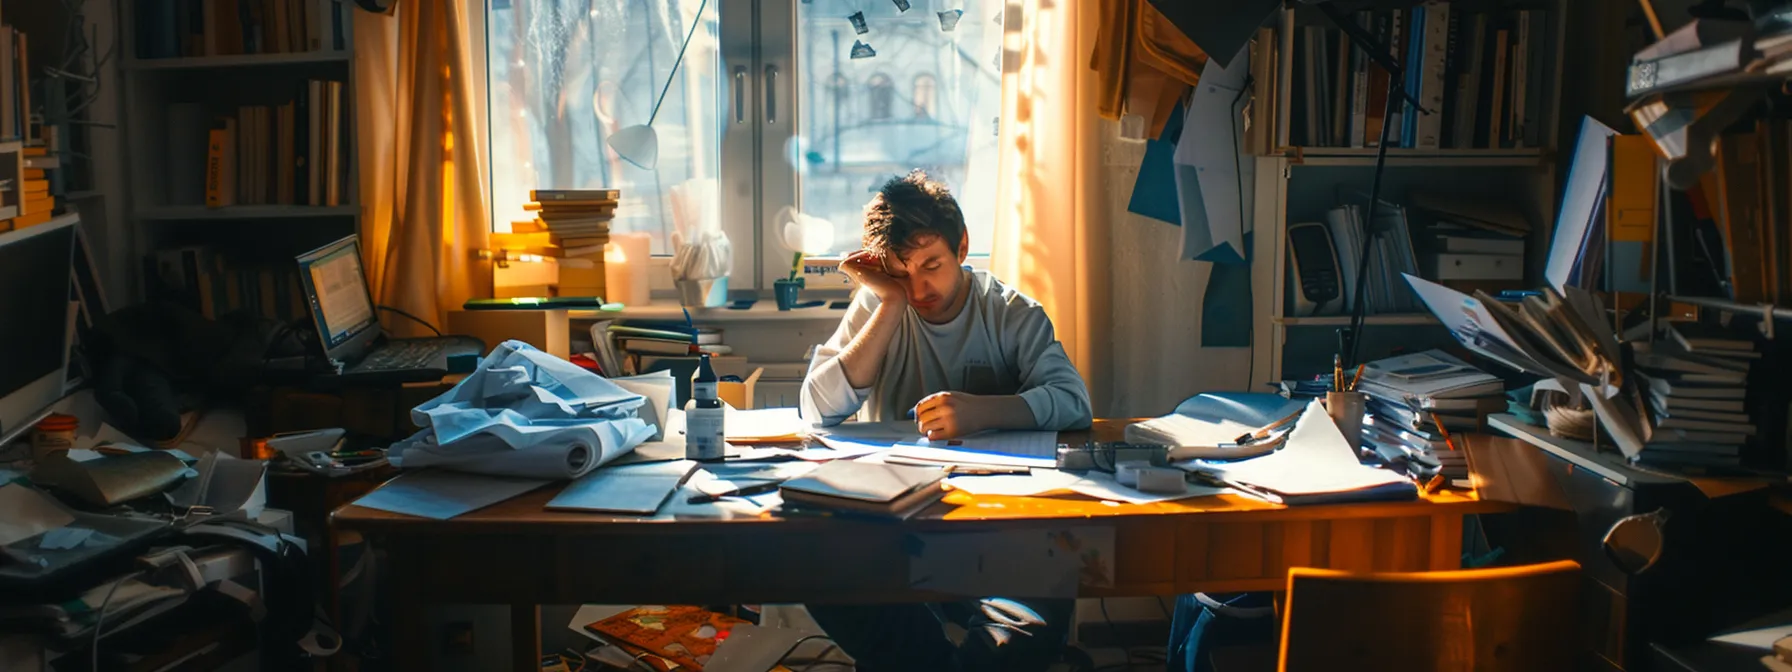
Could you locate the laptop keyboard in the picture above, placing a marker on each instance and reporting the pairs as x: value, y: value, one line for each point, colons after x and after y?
x: 403, y: 355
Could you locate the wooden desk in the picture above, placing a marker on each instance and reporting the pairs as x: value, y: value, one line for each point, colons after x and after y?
x: 518, y: 554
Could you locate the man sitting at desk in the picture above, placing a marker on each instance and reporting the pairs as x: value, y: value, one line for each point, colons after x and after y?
x: 958, y: 352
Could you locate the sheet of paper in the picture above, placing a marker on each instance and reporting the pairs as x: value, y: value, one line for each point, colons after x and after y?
x: 592, y: 613
x: 883, y: 434
x: 440, y: 494
x: 1315, y: 460
x: 728, y: 508
x: 1762, y: 639
x: 1040, y: 482
x: 1013, y: 563
x: 63, y: 538
x: 1103, y: 486
x: 639, y: 489
x: 26, y: 512
x: 956, y: 455
x: 1021, y: 444
x: 750, y: 648
x: 660, y: 391
x: 764, y: 424
x: 106, y: 433
x: 526, y: 451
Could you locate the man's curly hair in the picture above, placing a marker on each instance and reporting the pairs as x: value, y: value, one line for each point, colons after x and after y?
x: 908, y: 211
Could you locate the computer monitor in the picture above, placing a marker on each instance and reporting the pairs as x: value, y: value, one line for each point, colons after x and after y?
x: 36, y: 269
x: 341, y: 304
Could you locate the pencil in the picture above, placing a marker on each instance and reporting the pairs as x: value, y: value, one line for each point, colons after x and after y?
x: 1359, y: 376
x: 1440, y: 429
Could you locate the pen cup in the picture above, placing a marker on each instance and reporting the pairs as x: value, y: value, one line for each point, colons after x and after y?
x: 1347, y: 409
x: 785, y: 291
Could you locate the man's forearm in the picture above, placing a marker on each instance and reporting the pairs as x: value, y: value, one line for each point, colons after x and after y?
x: 1007, y: 411
x: 861, y: 359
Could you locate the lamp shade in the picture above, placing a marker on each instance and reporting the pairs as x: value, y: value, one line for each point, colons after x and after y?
x: 639, y: 145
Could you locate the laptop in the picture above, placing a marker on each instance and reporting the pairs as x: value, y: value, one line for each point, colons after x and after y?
x: 348, y: 325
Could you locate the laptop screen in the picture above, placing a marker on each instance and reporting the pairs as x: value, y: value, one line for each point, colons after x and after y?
x: 337, y: 290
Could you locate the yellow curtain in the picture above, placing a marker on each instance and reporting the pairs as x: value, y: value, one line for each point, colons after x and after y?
x: 1051, y: 240
x: 423, y: 212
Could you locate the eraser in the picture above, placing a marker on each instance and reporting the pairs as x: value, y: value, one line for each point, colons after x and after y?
x: 1127, y: 473
x: 1164, y: 480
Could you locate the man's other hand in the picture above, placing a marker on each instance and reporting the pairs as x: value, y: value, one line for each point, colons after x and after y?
x: 866, y: 268
x: 948, y: 415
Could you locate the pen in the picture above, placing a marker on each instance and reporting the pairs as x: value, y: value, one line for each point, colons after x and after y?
x: 796, y: 266
x: 1337, y: 373
x: 737, y: 492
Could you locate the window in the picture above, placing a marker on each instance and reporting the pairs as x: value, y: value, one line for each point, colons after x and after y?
x: 924, y: 89
x: 795, y: 113
x: 883, y: 96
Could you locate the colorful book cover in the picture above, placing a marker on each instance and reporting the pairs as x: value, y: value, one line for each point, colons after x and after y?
x: 675, y: 636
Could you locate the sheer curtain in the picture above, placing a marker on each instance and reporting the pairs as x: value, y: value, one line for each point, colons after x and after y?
x: 423, y: 212
x: 1051, y: 235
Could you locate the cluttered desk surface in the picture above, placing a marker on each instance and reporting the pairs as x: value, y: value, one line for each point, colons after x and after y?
x: 529, y: 509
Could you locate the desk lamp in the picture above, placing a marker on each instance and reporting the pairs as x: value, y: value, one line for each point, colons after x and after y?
x: 640, y: 145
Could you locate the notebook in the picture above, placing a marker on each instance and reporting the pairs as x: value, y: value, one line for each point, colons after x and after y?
x: 879, y: 490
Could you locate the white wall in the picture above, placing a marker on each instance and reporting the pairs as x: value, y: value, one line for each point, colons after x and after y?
x: 1156, y: 297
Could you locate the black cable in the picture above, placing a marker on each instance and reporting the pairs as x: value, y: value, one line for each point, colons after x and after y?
x: 1250, y: 84
x: 100, y: 621
x: 1358, y: 311
x: 1114, y: 633
x: 414, y: 318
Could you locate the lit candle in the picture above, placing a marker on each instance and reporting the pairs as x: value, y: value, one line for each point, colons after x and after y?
x: 626, y: 260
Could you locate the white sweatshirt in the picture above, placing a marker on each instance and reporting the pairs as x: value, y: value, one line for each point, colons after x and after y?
x: 1000, y: 343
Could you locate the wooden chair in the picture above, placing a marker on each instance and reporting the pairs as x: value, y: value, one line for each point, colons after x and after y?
x: 1508, y: 618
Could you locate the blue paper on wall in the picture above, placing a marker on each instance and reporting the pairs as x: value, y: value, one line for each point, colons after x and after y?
x: 1226, y: 305
x: 1154, y: 193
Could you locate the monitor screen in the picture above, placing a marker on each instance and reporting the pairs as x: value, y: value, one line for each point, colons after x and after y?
x: 339, y: 297
x: 36, y: 265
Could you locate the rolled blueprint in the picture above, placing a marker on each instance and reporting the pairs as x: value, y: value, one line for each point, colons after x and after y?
x: 531, y: 452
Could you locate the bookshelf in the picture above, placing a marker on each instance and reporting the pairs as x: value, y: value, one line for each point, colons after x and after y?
x: 239, y: 144
x: 1310, y: 158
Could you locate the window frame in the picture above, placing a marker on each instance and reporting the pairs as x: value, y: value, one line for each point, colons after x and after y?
x: 759, y: 54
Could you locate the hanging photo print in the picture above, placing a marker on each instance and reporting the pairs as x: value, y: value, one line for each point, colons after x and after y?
x: 862, y: 50
x: 901, y: 4
x: 949, y: 19
x: 858, y: 22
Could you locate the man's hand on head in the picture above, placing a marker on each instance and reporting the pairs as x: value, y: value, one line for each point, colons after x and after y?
x: 949, y: 415
x: 867, y: 269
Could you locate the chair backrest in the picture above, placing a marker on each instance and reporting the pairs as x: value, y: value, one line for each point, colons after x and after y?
x: 1486, y: 620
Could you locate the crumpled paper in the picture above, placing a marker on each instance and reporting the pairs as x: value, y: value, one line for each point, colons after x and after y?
x: 525, y: 413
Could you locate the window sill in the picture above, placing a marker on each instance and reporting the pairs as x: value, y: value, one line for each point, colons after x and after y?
x: 765, y: 310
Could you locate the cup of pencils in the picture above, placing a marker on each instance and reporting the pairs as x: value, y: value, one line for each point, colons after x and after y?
x: 785, y: 289
x: 1346, y: 405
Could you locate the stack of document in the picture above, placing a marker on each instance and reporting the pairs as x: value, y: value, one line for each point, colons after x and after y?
x: 1314, y: 466
x: 1390, y: 257
x: 1547, y: 334
x: 1694, y: 384
x: 1417, y: 400
x: 525, y: 413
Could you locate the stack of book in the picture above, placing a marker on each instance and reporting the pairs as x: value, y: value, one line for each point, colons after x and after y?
x: 1417, y: 401
x: 1694, y: 381
x: 578, y: 222
x: 1471, y: 243
x: 865, y: 489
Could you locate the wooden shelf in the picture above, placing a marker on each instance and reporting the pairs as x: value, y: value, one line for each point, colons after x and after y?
x: 175, y: 212
x: 237, y: 61
x: 1370, y: 320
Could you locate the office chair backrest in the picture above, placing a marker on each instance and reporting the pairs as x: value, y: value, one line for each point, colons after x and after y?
x: 1523, y: 618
